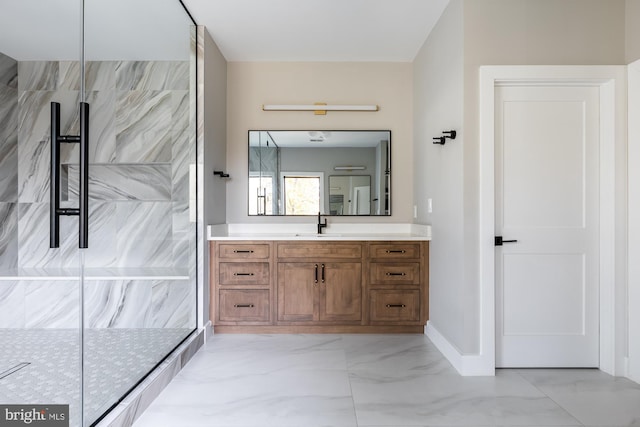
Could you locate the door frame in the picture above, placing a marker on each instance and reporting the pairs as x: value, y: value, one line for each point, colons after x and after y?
x: 633, y: 367
x: 613, y: 224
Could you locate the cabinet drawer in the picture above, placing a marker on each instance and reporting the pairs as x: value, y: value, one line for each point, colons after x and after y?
x: 244, y: 273
x: 394, y: 306
x: 394, y: 250
x: 243, y: 251
x: 244, y: 306
x: 320, y: 250
x: 395, y: 273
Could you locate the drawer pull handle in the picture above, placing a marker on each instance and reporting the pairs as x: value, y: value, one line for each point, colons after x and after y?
x: 396, y: 251
x: 315, y: 277
x: 242, y: 251
x: 243, y: 305
x: 396, y: 306
x: 243, y: 274
x: 396, y: 274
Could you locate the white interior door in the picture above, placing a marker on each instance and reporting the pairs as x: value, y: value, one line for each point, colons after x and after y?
x: 546, y: 195
x: 362, y: 199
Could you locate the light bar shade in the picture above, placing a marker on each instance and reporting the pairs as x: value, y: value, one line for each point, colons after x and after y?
x: 349, y: 168
x: 318, y: 107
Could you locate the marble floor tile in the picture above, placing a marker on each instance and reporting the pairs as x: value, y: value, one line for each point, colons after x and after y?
x: 283, y: 398
x: 375, y: 380
x: 453, y: 400
x: 275, y: 343
x: 264, y: 363
x: 395, y: 356
x: 590, y: 395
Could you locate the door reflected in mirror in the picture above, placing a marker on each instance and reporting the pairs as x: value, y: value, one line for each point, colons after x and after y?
x: 331, y: 172
x: 350, y: 195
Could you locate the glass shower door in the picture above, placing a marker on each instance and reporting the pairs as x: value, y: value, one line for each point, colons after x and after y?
x: 40, y: 285
x: 84, y: 318
x: 140, y: 264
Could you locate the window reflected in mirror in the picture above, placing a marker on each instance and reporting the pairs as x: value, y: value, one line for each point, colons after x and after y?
x: 331, y: 172
x: 302, y: 193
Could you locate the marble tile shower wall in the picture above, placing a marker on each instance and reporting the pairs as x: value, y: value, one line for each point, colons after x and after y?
x: 140, y: 149
x: 108, y: 304
x: 8, y: 161
x: 139, y: 154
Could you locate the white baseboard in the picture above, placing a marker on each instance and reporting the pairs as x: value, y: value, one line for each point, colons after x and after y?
x: 208, y: 330
x: 628, y: 372
x: 634, y: 378
x: 465, y: 364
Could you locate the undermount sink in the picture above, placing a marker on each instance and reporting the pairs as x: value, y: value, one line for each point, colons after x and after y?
x: 313, y: 235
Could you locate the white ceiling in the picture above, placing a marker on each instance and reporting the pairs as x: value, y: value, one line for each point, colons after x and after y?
x: 35, y: 30
x: 245, y: 30
x: 327, y: 30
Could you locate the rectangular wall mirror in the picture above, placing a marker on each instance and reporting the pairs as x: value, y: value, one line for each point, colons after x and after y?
x: 303, y: 172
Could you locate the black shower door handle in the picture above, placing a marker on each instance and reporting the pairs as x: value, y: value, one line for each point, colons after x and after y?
x: 83, y: 238
x: 83, y: 209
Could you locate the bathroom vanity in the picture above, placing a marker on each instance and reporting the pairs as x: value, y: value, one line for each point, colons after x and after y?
x: 320, y: 284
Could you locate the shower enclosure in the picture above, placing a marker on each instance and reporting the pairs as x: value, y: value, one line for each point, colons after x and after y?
x: 83, y: 319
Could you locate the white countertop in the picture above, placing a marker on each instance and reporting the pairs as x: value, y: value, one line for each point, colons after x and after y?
x: 386, y: 232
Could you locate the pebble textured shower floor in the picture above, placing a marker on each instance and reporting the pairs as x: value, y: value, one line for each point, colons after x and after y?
x: 115, y: 359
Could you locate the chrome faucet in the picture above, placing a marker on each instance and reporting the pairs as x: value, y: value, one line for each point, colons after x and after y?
x: 321, y: 225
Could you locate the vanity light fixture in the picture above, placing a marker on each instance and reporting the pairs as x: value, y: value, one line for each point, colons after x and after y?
x: 349, y: 168
x: 318, y: 108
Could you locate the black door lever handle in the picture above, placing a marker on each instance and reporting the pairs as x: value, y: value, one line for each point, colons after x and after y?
x: 499, y: 241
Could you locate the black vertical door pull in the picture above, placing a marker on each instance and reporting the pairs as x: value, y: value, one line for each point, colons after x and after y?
x: 83, y: 209
x: 83, y: 238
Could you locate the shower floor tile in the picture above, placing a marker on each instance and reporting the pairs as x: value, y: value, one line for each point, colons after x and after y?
x: 115, y: 359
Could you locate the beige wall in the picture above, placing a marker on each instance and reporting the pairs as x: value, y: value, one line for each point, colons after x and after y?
x: 215, y: 131
x: 495, y: 32
x: 212, y: 115
x: 252, y: 84
x: 632, y: 28
x: 545, y: 32
x: 526, y: 32
x: 439, y: 172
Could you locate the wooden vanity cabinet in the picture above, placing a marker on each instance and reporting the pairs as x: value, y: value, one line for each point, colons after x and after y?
x: 241, y: 277
x: 319, y: 286
x: 398, y: 277
x: 319, y: 283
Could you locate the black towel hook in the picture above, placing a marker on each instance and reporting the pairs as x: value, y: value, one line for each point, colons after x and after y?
x: 451, y: 134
